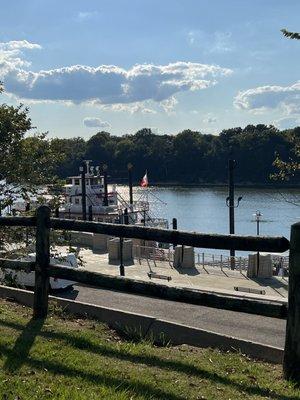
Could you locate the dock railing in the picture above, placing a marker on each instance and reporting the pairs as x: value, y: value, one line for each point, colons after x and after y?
x: 43, y: 270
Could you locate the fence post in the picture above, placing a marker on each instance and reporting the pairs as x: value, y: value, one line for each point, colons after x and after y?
x: 122, y: 269
x: 41, y: 290
x: 126, y: 217
x: 291, y: 359
x: 90, y: 212
x: 174, y: 227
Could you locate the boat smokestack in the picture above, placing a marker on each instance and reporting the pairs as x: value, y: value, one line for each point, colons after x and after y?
x: 130, y: 166
x: 105, y: 201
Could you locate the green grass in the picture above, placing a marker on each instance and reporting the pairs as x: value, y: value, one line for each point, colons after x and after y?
x: 68, y: 358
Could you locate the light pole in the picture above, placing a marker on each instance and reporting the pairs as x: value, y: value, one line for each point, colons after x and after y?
x: 69, y: 208
x: 257, y: 217
x: 231, y: 205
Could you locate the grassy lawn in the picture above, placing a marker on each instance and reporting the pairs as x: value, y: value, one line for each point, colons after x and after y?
x: 69, y: 358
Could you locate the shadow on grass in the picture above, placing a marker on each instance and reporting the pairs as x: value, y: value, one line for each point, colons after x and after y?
x: 23, y: 345
x: 118, y: 384
x: 121, y: 354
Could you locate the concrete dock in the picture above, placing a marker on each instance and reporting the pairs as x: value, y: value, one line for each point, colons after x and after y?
x: 205, y: 278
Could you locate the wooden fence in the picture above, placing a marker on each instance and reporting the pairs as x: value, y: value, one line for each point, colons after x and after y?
x: 43, y: 270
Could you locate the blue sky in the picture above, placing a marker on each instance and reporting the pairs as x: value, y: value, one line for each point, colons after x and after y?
x: 86, y: 66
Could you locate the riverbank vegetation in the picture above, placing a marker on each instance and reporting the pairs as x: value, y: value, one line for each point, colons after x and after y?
x: 65, y: 357
x: 263, y: 154
x: 187, y: 157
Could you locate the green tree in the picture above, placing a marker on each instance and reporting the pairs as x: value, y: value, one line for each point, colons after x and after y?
x: 14, y: 124
x: 37, y: 161
x: 289, y: 167
x: 99, y: 147
x: 291, y: 35
x: 26, y: 161
x: 73, y: 152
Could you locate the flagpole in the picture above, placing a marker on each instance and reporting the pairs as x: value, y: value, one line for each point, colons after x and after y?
x: 144, y: 185
x: 147, y: 202
x: 147, y: 195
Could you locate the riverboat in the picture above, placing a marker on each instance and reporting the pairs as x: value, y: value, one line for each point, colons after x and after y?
x: 89, y: 193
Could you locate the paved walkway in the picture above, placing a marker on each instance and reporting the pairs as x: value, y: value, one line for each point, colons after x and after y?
x: 265, y: 330
x: 208, y: 278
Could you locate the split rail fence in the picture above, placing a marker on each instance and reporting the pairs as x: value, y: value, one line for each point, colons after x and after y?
x: 43, y: 270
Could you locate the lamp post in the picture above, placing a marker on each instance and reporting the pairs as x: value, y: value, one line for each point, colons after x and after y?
x: 257, y: 217
x: 231, y: 205
x: 174, y: 227
x: 69, y: 208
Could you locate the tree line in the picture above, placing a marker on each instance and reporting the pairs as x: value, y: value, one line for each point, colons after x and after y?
x: 186, y: 157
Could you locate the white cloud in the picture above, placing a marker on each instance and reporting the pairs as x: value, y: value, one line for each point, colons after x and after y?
x: 287, y: 122
x: 168, y: 105
x: 217, y: 42
x: 287, y: 98
x: 18, y: 45
x: 106, y: 84
x: 91, y: 122
x: 86, y: 15
x: 133, y: 108
x: 210, y: 119
x: 11, y: 55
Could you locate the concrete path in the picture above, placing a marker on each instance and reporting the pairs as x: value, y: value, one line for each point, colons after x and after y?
x: 210, y: 278
x: 265, y: 330
x: 205, y: 278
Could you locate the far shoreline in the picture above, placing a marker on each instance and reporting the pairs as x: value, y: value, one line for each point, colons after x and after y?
x: 213, y: 185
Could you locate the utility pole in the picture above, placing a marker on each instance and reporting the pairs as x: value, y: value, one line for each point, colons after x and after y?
x: 83, y: 170
x: 105, y: 201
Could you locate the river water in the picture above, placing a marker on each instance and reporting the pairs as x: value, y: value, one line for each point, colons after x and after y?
x: 204, y: 209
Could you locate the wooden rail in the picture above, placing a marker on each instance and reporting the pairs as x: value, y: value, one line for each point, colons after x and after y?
x: 18, y: 221
x: 212, y: 241
x: 17, y: 265
x: 194, y: 239
x: 43, y: 269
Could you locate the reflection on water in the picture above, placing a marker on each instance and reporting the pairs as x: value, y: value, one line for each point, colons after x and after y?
x: 205, y: 210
